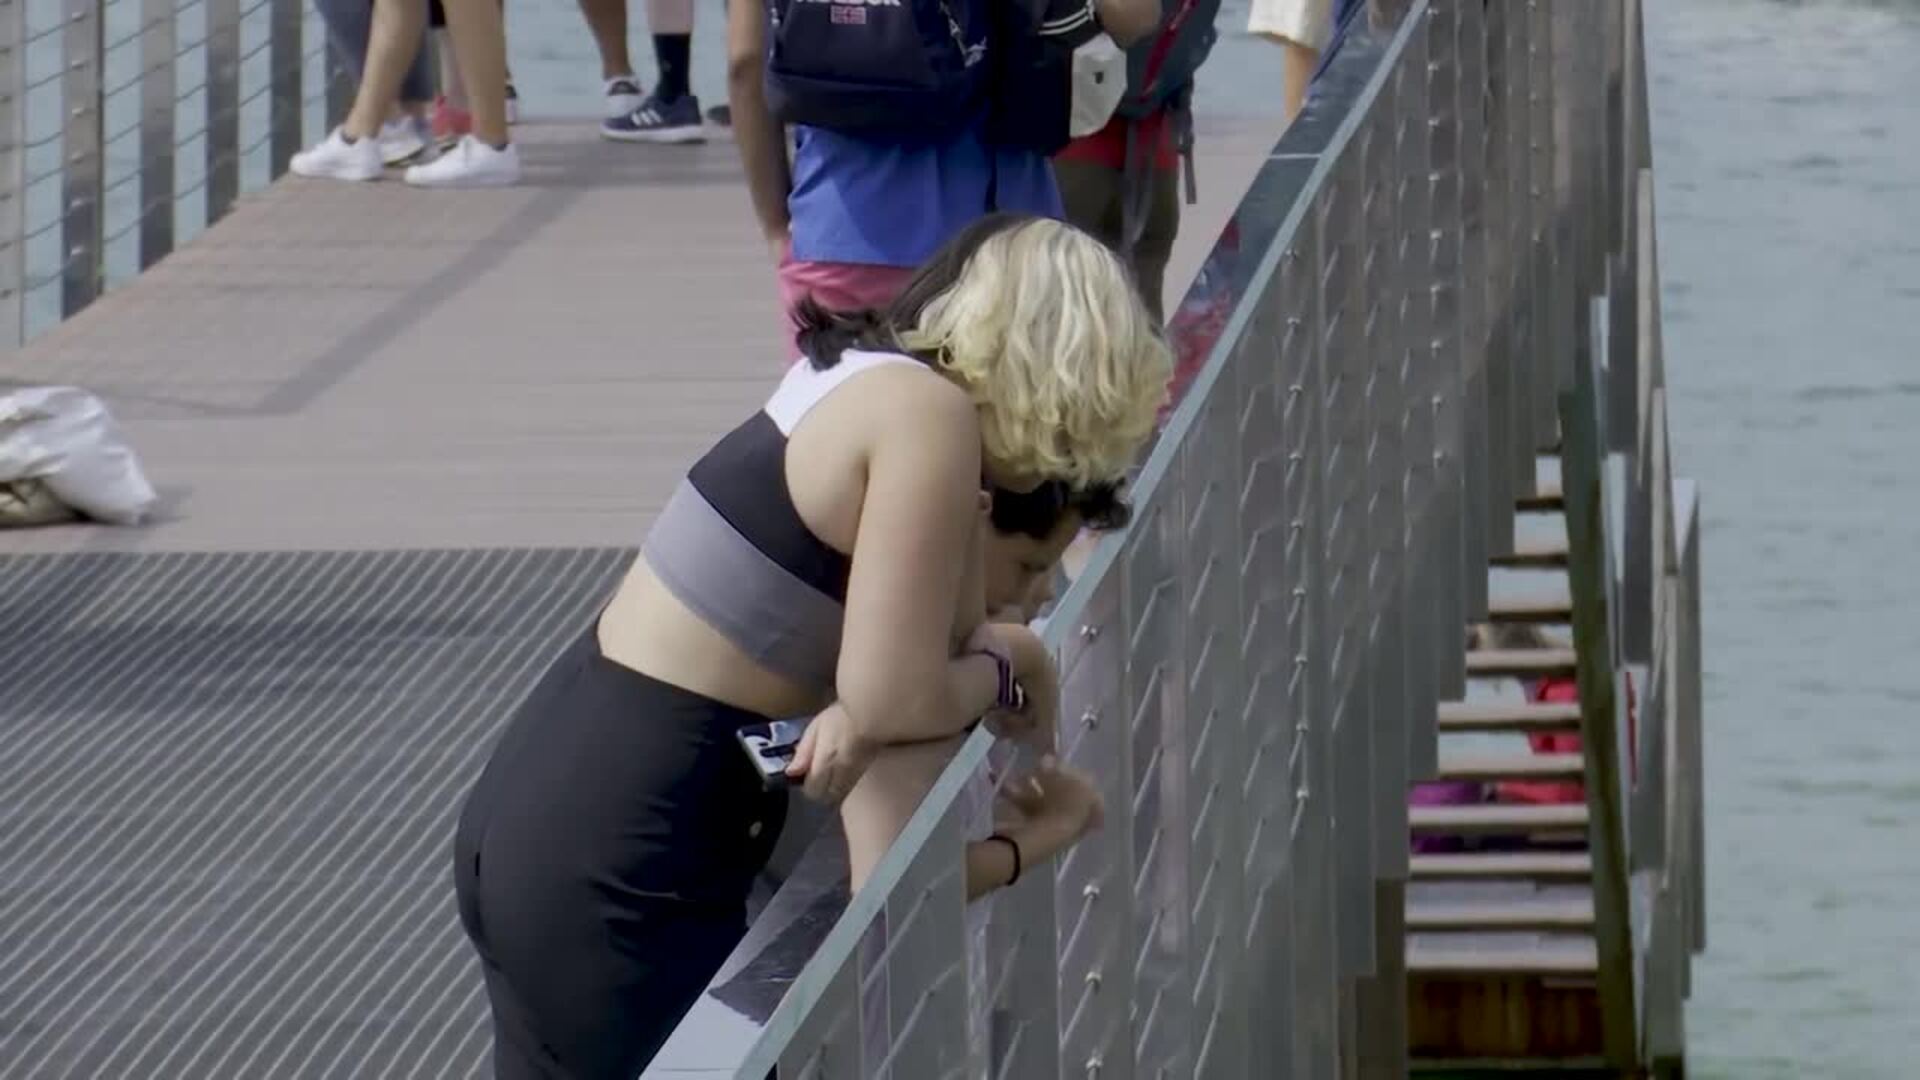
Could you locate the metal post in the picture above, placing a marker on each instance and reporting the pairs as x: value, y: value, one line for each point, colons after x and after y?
x: 81, y: 179
x: 157, y: 107
x: 13, y: 161
x: 223, y: 106
x: 284, y: 56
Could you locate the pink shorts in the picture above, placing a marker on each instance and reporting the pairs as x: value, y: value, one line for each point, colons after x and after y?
x: 838, y: 286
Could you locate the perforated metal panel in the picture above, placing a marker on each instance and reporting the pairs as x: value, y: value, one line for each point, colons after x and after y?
x: 227, y: 789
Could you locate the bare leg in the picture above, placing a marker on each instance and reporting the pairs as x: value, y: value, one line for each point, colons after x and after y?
x: 392, y: 44
x: 607, y: 21
x: 453, y: 89
x: 1301, y: 60
x: 480, y: 50
x: 669, y: 16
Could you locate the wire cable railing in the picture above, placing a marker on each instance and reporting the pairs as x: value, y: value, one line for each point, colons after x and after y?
x: 126, y: 191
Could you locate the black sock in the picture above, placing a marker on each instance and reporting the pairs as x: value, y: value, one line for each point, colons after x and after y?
x: 671, y: 51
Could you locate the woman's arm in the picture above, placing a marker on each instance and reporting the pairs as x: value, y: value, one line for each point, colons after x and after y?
x: 915, y: 530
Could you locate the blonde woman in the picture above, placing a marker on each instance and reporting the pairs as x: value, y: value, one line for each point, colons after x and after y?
x: 823, y: 558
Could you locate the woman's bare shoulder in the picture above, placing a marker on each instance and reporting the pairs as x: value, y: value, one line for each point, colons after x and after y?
x: 913, y: 397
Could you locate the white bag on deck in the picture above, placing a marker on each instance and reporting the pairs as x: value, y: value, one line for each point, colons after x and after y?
x: 64, y: 437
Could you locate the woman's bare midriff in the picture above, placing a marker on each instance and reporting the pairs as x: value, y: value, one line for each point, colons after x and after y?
x: 646, y: 628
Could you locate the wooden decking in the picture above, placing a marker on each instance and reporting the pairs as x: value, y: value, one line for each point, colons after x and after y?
x: 366, y: 366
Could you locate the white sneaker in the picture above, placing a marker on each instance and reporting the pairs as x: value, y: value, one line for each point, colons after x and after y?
x: 337, y: 159
x: 402, y: 140
x: 470, y: 164
x: 623, y: 96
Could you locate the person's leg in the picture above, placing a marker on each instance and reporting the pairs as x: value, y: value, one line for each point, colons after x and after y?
x: 671, y: 114
x: 607, y: 22
x: 393, y: 45
x: 1301, y: 28
x: 353, y: 151
x: 1154, y: 249
x: 486, y: 158
x: 349, y: 24
x: 1300, y: 62
x: 671, y: 24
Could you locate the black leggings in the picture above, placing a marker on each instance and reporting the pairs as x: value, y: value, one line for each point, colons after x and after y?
x: 602, y: 865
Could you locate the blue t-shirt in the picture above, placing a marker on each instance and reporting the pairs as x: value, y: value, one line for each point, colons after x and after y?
x: 889, y: 204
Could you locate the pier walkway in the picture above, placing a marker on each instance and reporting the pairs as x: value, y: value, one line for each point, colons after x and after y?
x: 405, y: 440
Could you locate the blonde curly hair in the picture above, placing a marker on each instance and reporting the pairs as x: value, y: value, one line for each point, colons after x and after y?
x: 1041, y: 324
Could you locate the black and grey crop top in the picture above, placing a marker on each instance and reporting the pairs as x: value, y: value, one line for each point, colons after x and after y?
x: 731, y: 546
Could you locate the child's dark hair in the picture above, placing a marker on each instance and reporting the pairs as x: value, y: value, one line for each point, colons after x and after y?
x: 1038, y: 513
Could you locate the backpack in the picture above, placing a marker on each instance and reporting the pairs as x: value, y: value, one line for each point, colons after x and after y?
x: 904, y: 69
x: 1030, y: 94
x: 1160, y: 74
x: 1160, y: 69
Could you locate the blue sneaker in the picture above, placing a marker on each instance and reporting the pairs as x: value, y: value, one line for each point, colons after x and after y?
x: 657, y: 121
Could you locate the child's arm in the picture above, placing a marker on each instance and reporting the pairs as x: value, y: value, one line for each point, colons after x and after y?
x: 1057, y: 807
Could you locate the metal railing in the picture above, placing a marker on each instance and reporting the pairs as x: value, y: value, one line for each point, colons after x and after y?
x: 1634, y: 531
x: 127, y: 126
x: 1389, y: 325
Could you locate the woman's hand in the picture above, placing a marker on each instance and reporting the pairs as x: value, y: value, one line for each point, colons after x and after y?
x: 1033, y: 667
x: 832, y: 756
x: 1059, y: 806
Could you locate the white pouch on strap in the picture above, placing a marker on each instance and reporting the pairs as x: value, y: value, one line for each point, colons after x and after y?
x: 1099, y: 82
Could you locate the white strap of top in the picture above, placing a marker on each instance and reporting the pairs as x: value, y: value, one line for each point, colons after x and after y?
x: 803, y: 387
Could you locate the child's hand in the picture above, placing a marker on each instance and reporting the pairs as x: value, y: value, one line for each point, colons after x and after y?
x: 1060, y: 805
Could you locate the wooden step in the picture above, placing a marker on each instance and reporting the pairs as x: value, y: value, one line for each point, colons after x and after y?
x: 1474, y: 955
x: 1520, y: 663
x: 1517, y: 766
x: 1530, y: 609
x: 1548, y: 499
x: 1504, y: 865
x: 1508, y: 716
x: 1537, y: 913
x: 1481, y: 819
x: 1548, y: 556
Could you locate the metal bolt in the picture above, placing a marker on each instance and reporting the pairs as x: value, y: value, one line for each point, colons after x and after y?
x: 1090, y: 893
x: 1093, y: 980
x: 1090, y: 719
x: 1093, y: 1066
x: 1090, y: 632
x: 1299, y: 592
x: 1293, y: 322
